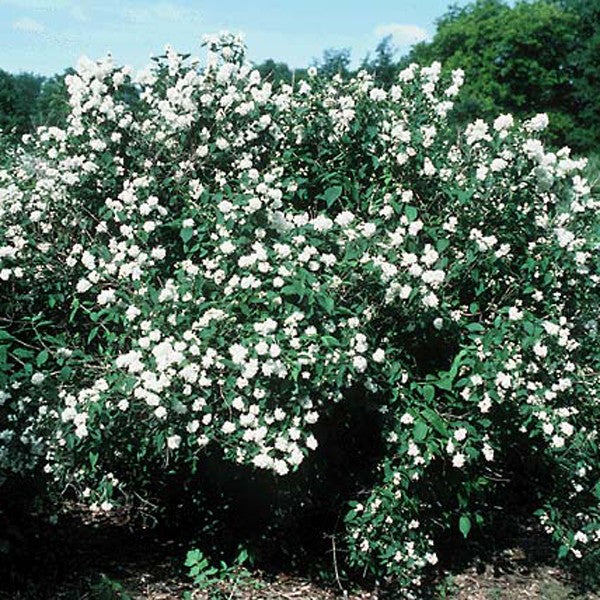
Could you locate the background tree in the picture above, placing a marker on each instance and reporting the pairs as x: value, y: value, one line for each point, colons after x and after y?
x: 277, y: 72
x: 383, y: 65
x: 52, y: 103
x: 335, y: 61
x: 518, y: 59
x: 585, y: 64
x: 18, y: 94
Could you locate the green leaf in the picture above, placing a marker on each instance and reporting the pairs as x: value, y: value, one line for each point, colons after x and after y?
x: 420, y: 431
x: 4, y: 358
x: 411, y: 213
x: 435, y: 420
x: 332, y: 194
x: 428, y: 392
x: 42, y: 357
x: 444, y: 383
x: 326, y: 302
x: 464, y: 524
x: 193, y: 556
x: 75, y: 306
x: 186, y: 234
x: 442, y: 245
x: 330, y: 341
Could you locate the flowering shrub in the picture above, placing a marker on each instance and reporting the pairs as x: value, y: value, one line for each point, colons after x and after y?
x: 202, y: 263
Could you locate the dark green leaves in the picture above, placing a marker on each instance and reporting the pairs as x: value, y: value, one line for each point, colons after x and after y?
x: 332, y: 194
x: 42, y: 357
x: 186, y: 234
x: 464, y: 525
x: 420, y: 431
x: 411, y: 213
x: 428, y: 392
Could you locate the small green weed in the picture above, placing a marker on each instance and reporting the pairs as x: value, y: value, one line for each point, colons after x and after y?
x: 223, y: 580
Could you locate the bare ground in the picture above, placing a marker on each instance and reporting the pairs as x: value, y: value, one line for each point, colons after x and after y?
x: 87, y: 560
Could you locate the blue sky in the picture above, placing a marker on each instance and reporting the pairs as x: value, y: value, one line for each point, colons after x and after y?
x: 46, y: 36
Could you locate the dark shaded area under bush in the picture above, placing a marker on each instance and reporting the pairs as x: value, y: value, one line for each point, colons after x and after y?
x: 285, y: 523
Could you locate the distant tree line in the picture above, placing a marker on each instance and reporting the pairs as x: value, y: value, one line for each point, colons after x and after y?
x: 28, y: 100
x: 535, y: 56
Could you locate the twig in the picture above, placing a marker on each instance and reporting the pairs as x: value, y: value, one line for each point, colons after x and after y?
x: 335, y: 566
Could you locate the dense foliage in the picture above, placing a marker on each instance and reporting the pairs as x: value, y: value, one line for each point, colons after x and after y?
x: 18, y: 94
x: 28, y: 101
x: 200, y: 264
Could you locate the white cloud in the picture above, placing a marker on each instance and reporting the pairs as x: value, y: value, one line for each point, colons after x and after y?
x: 28, y: 25
x: 403, y: 35
x: 158, y: 11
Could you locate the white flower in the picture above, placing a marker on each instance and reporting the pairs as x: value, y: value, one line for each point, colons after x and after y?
x: 311, y: 442
x: 540, y: 350
x: 485, y: 404
x: 458, y: 460
x: 369, y: 229
x: 106, y: 296
x: 228, y: 427
x: 322, y: 223
x: 428, y: 168
x: 225, y: 206
x: 262, y: 461
x: 488, y: 452
x: 567, y: 429
x: 537, y: 123
x: 551, y: 328
x: 476, y: 132
x: 415, y: 227
x: 460, y: 434
x: 132, y: 312
x: 173, y: 442
x: 548, y: 428
x: 503, y: 122
x: 83, y: 285
x: 311, y: 418
x: 344, y: 218
x: 37, y: 378
x: 280, y: 467
x: 360, y: 363
x: 379, y: 355
x: 431, y: 300
x: 514, y: 314
x: 238, y: 353
x: 404, y: 292
x: 166, y: 355
x: 503, y: 380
